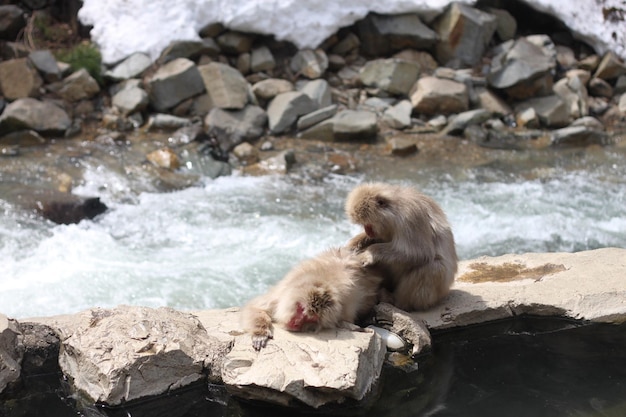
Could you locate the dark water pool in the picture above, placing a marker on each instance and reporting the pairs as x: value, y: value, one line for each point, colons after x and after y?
x: 523, y: 367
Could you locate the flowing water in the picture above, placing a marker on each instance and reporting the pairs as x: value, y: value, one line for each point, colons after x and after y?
x: 225, y: 240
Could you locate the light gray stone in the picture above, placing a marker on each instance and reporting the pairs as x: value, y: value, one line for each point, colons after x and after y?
x: 166, y: 121
x: 310, y: 63
x: 610, y: 67
x: 506, y: 25
x: 317, y: 116
x: 355, y: 125
x: 41, y: 116
x: 382, y: 35
x: 392, y: 75
x: 432, y: 95
x: 551, y: 110
x: 622, y: 103
x: 235, y: 43
x: 319, y: 92
x: 225, y: 85
x: 285, y: 108
x: 579, y: 136
x: 464, y: 33
x: 246, y: 153
x: 130, y: 100
x: 80, y: 85
x: 600, y: 88
x: 573, y: 92
x: 261, y: 59
x: 46, y: 64
x: 188, y: 49
x: 131, y: 67
x: 398, y: 116
x: 471, y: 117
x: 492, y: 102
x: 11, y: 351
x: 231, y: 127
x: 527, y: 118
x: 174, y: 82
x: 588, y: 121
x: 19, y: 79
x: 270, y: 88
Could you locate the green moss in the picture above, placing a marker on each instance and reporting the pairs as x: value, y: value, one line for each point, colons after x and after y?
x: 84, y: 55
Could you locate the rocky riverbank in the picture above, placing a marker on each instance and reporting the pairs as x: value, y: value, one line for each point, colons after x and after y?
x: 475, y: 77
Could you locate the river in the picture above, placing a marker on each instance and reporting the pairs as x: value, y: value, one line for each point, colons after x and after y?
x: 223, y: 241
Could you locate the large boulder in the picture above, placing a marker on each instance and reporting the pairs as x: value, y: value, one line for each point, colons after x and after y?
x: 326, y: 368
x: 19, y: 79
x: 383, y: 34
x: 432, y: 95
x: 346, y: 126
x: 319, y: 91
x: 464, y: 34
x: 41, y: 116
x: 11, y: 351
x: 226, y: 87
x: 285, y: 108
x: 231, y: 127
x: 552, y: 111
x: 394, y: 76
x: 174, y: 82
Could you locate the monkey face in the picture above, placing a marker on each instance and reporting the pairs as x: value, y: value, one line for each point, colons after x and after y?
x: 369, y: 206
x: 303, y: 320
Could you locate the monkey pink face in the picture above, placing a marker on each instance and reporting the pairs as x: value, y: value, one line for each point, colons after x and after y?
x: 300, y: 321
x: 369, y: 231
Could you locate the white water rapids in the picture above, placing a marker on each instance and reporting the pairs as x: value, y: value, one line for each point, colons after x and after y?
x: 219, y: 244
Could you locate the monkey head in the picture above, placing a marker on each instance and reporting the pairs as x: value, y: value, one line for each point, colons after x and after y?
x: 315, y: 312
x: 373, y: 207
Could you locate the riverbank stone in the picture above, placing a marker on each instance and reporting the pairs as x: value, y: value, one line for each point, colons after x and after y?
x: 432, y: 95
x: 382, y: 35
x: 225, y: 85
x: 131, y: 67
x: 232, y: 127
x: 43, y: 117
x: 285, y: 108
x: 19, y: 78
x: 394, y: 76
x: 174, y: 82
x: 11, y: 351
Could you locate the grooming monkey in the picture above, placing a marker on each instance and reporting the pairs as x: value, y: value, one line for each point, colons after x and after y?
x: 330, y: 290
x: 406, y: 234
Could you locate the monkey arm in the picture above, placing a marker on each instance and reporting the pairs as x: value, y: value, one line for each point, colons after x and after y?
x: 360, y: 242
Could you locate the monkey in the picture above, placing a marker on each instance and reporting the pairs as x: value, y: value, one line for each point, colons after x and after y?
x: 330, y: 290
x: 408, y: 235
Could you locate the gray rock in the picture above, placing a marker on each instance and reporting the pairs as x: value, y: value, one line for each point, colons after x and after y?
x: 225, y: 85
x: 574, y: 93
x: 527, y: 118
x: 401, y: 146
x: 487, y: 100
x: 506, y: 25
x: 317, y: 116
x: 130, y: 100
x: 319, y: 92
x: 398, y: 116
x: 423, y: 59
x: 404, y: 325
x: 126, y: 353
x: 166, y: 122
x: 376, y: 104
x: 579, y: 136
x: 610, y: 67
x: 270, y: 88
x: 341, y: 365
x: 278, y: 164
x: 80, y: 85
x: 464, y: 34
x: 621, y: 105
x: 620, y: 85
x: 188, y: 49
x: 323, y: 131
x: 565, y: 57
x: 551, y: 110
x: 235, y: 43
x: 522, y: 69
x: 164, y: 158
x: 131, y: 67
x: 392, y: 75
x: 11, y: 22
x: 11, y: 351
x: 174, y: 82
x: 590, y: 122
x: 19, y: 79
x: 22, y: 138
x: 246, y: 153
x: 46, y: 64
x: 231, y: 127
x: 285, y: 108
x: 600, y: 88
x: 310, y: 63
x: 465, y: 119
x: 432, y: 95
x: 243, y: 63
x: 261, y: 59
x: 347, y: 44
x: 355, y: 125
x: 383, y: 34
x: 41, y: 116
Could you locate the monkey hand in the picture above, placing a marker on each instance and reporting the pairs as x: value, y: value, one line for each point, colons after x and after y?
x: 360, y: 242
x: 366, y: 258
x: 260, y: 338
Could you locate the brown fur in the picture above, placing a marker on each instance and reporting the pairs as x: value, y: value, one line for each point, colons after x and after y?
x: 408, y: 235
x: 332, y: 289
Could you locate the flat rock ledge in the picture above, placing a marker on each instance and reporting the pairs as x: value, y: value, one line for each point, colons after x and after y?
x: 118, y: 355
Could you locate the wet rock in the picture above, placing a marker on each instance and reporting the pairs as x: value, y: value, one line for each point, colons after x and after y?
x: 319, y: 92
x: 391, y: 75
x: 285, y: 108
x: 399, y: 115
x: 41, y: 349
x: 261, y: 59
x: 126, y: 353
x: 131, y: 67
x: 400, y: 146
x: 578, y: 136
x: 600, y: 88
x: 164, y: 158
x: 551, y: 110
x: 573, y: 92
x: 317, y: 116
x: 521, y: 69
x: 310, y: 63
x: 235, y: 43
x: 46, y: 64
x: 506, y: 25
x: 226, y: 87
x: 246, y: 153
x: 43, y: 117
x: 80, y: 85
x: 174, y: 82
x: 11, y: 351
x: 610, y: 67
x: 355, y: 125
x: 590, y: 122
x: 19, y: 79
x: 188, y: 49
x: 22, y: 138
x: 432, y: 95
x: 459, y: 122
x: 270, y: 88
x: 383, y: 34
x: 278, y: 164
x: 464, y: 33
x: 232, y: 127
x: 340, y: 365
x: 166, y: 121
x: 11, y: 22
x: 130, y: 100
